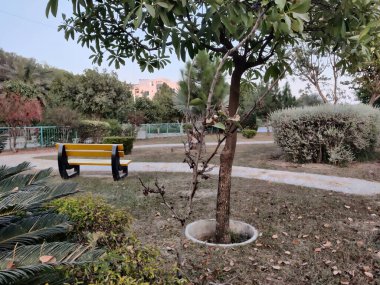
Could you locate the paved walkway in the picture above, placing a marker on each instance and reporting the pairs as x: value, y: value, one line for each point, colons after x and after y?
x: 333, y: 183
x: 208, y: 144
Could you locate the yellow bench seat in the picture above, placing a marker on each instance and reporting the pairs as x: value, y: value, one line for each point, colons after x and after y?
x: 100, y: 162
x: 72, y: 156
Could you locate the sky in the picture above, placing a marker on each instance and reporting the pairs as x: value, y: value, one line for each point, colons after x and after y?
x: 25, y: 30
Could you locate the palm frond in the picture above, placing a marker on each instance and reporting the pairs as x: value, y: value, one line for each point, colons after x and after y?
x: 20, y: 180
x: 26, y: 258
x: 6, y: 171
x: 63, y: 252
x: 26, y: 225
x: 21, y: 276
x: 33, y: 230
x: 33, y: 196
x: 6, y: 220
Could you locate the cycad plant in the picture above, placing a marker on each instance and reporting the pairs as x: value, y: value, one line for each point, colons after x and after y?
x: 31, y: 235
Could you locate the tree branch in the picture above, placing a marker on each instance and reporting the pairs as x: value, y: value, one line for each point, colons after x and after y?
x: 227, y: 54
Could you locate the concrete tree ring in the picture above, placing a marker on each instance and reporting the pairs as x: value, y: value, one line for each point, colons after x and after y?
x: 199, y: 230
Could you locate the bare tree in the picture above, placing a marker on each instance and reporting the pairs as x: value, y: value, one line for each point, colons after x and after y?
x: 312, y: 66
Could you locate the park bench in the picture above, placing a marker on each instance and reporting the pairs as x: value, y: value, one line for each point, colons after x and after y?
x: 71, y: 156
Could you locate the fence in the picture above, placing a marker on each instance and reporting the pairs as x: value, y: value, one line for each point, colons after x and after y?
x: 164, y: 128
x: 43, y: 136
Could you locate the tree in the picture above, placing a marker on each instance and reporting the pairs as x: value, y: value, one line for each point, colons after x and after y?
x: 17, y: 111
x: 276, y: 99
x: 368, y: 79
x: 311, y: 66
x: 146, y: 106
x: 100, y: 95
x: 163, y: 101
x: 196, y: 82
x: 309, y: 100
x: 27, y: 71
x: 63, y: 90
x: 246, y: 34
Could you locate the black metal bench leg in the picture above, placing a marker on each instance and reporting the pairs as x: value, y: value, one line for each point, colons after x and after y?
x: 63, y: 164
x: 118, y: 171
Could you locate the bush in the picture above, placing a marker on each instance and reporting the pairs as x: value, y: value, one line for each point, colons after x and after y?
x: 94, y: 130
x: 126, y: 261
x: 115, y: 128
x: 93, y: 215
x: 127, y: 142
x: 129, y: 264
x: 335, y: 134
x: 248, y: 133
x: 127, y: 130
x: 251, y: 122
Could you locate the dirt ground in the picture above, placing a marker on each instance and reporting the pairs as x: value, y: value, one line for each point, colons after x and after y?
x: 307, y: 236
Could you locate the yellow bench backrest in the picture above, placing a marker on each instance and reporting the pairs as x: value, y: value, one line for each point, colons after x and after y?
x: 91, y: 150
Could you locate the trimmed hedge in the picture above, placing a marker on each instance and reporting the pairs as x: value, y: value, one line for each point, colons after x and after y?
x: 94, y: 130
x: 335, y: 134
x: 127, y: 142
x: 248, y: 133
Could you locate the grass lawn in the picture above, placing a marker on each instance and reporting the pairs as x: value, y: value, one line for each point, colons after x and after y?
x: 308, y: 236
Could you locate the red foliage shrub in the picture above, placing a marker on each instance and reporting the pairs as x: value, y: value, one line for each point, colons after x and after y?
x: 19, y: 111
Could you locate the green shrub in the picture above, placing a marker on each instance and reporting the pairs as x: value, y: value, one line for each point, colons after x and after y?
x: 129, y: 264
x: 95, y: 220
x: 336, y: 134
x: 93, y: 129
x: 251, y: 122
x: 248, y: 133
x: 127, y: 142
x: 128, y: 130
x: 126, y: 261
x: 115, y: 127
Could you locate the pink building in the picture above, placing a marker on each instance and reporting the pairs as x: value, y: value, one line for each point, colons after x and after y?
x: 149, y: 87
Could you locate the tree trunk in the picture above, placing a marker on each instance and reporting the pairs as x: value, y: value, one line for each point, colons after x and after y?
x: 373, y: 99
x: 325, y: 101
x: 226, y: 160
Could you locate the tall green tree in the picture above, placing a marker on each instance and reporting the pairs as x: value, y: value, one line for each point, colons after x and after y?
x: 276, y: 99
x: 164, y: 102
x: 196, y: 82
x: 148, y: 31
x: 98, y: 95
x: 144, y: 106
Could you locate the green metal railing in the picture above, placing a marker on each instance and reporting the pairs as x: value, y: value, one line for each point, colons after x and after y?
x: 163, y: 128
x: 42, y: 136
